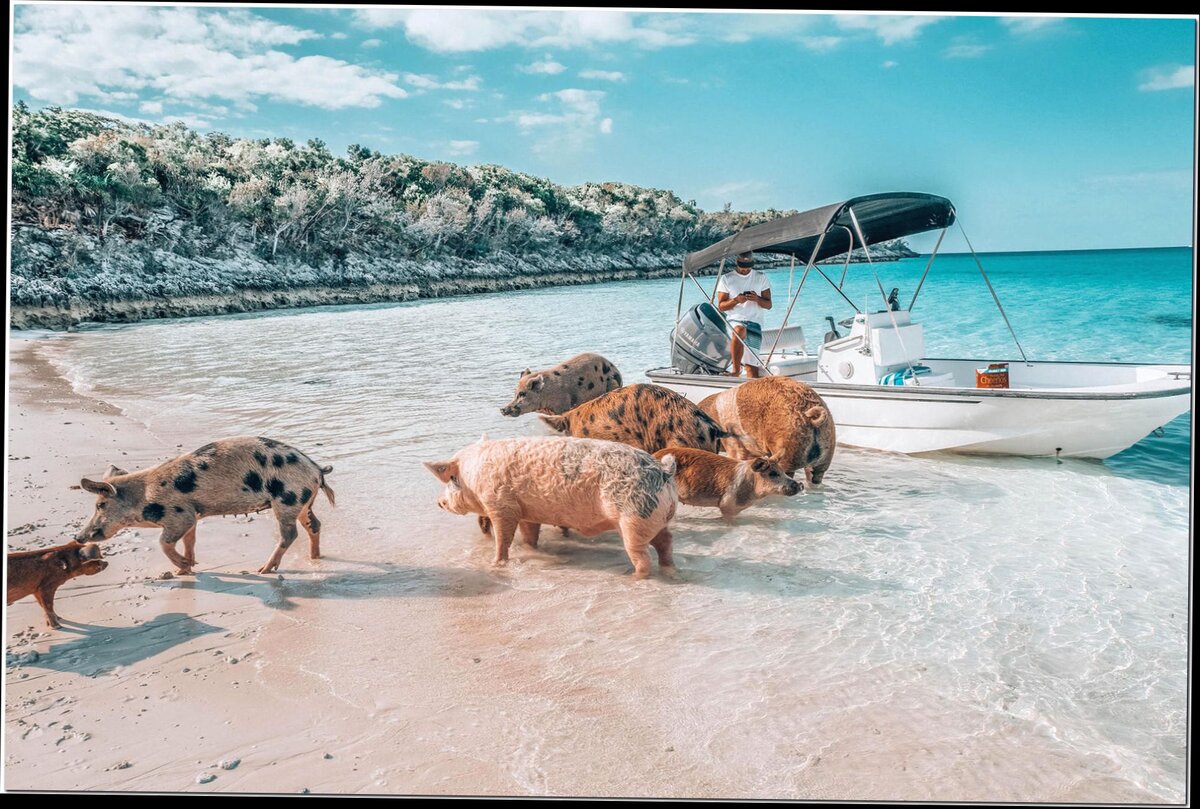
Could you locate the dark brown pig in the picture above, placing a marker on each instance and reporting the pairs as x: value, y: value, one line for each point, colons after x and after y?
x: 705, y: 479
x: 649, y: 417
x: 41, y: 573
x: 229, y: 476
x: 780, y: 418
x: 566, y: 385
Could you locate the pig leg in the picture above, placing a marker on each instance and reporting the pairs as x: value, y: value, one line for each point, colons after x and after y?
x: 632, y: 534
x: 170, y: 535
x: 45, y: 597
x: 287, y: 535
x: 189, y: 545
x: 313, y: 527
x: 503, y: 528
x: 485, y: 524
x: 529, y: 533
x: 662, y: 546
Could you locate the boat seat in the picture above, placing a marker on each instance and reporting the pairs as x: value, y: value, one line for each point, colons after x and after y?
x: 791, y: 339
x: 793, y: 365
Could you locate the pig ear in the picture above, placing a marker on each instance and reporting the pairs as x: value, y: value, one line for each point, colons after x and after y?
x: 114, y: 471
x: 97, y: 487
x: 526, y: 373
x: 537, y: 382
x: 442, y: 470
x: 760, y: 465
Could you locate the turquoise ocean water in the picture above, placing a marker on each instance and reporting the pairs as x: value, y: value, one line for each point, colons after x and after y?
x: 1008, y: 616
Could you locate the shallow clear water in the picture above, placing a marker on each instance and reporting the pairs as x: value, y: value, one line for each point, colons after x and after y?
x: 1014, y: 619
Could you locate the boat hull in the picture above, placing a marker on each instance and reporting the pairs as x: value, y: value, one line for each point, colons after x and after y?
x: 1068, y: 424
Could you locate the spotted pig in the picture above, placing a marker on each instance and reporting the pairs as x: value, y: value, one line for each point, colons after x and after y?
x: 41, y: 573
x: 649, y: 417
x: 780, y: 418
x: 705, y: 479
x: 230, y: 476
x: 591, y: 486
x: 571, y: 383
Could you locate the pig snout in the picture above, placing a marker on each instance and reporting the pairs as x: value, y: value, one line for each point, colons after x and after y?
x: 509, y: 410
x: 791, y: 487
x: 91, y: 533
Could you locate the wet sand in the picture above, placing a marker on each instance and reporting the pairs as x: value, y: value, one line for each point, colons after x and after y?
x: 401, y: 673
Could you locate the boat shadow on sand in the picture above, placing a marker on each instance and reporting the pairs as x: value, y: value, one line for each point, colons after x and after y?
x: 382, y: 580
x: 98, y: 649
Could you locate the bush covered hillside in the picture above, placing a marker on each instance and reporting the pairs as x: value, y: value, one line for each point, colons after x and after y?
x: 106, y: 211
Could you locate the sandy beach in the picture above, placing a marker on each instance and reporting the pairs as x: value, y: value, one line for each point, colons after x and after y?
x: 406, y: 672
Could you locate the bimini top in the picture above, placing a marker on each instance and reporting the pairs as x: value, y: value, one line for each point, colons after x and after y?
x: 883, y: 217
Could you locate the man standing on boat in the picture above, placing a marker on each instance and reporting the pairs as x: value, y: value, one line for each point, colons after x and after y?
x: 743, y: 296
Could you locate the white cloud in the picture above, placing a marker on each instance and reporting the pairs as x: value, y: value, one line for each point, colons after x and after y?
x: 461, y: 30
x: 462, y: 148
x: 569, y: 125
x: 546, y: 67
x: 189, y: 120
x: 889, y: 64
x: 889, y: 28
x: 1168, y: 77
x: 741, y: 194
x: 966, y: 50
x: 423, y: 81
x: 372, y: 43
x: 61, y: 55
x: 339, y: 35
x: 456, y: 103
x: 1031, y: 25
x: 602, y: 75
x: 151, y: 107
x: 821, y: 44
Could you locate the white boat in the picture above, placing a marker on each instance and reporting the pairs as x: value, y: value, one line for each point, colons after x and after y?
x: 881, y: 389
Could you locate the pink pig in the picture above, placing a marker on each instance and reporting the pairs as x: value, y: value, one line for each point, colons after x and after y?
x: 581, y: 483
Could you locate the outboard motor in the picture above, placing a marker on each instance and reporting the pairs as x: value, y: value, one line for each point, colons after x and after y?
x: 699, y: 344
x: 832, y: 334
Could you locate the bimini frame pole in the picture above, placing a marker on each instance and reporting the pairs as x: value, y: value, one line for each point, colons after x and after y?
x: 932, y: 256
x: 679, y: 308
x: 995, y: 297
x: 849, y: 253
x: 720, y: 271
x: 811, y: 258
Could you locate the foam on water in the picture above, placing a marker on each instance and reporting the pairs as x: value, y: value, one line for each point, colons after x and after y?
x: 979, y: 627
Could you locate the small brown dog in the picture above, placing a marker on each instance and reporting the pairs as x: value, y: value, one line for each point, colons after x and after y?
x: 40, y: 573
x: 705, y: 479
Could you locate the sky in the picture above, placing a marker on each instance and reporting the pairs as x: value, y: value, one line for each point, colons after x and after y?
x: 1047, y: 133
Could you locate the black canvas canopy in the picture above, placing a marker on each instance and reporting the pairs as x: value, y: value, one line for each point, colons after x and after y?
x: 882, y: 217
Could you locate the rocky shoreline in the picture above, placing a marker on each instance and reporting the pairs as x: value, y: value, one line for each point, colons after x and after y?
x: 77, y: 311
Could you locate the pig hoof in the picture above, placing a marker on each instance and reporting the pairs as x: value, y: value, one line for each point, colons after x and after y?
x: 500, y: 563
x: 314, y: 556
x: 53, y: 623
x: 266, y: 569
x: 669, y: 572
x: 641, y: 574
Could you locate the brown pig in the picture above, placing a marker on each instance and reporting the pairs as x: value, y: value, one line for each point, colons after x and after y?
x: 229, y: 476
x: 780, y: 418
x: 705, y: 479
x: 566, y: 385
x: 591, y: 486
x: 649, y: 417
x: 41, y: 573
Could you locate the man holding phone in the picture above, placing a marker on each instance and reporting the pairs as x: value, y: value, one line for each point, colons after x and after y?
x: 742, y: 296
